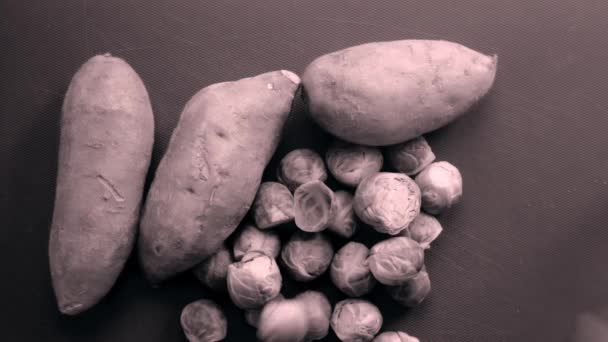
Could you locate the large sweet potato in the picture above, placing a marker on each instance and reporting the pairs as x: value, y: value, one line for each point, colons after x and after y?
x: 209, y: 175
x: 385, y: 93
x: 107, y: 132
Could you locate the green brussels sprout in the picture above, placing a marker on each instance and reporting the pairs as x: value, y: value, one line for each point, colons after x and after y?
x: 307, y: 255
x: 212, y: 271
x: 203, y: 321
x: 283, y: 321
x: 395, y: 336
x: 349, y: 270
x: 253, y: 239
x: 424, y: 230
x: 252, y: 316
x: 387, y: 201
x: 301, y: 166
x: 410, y: 157
x: 313, y: 206
x: 441, y: 186
x: 254, y: 280
x: 318, y: 310
x: 414, y: 291
x: 344, y: 222
x: 396, y: 260
x: 273, y: 205
x: 356, y: 320
x: 349, y: 163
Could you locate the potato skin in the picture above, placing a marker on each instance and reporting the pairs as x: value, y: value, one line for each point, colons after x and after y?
x: 211, y: 171
x: 107, y: 133
x: 384, y: 93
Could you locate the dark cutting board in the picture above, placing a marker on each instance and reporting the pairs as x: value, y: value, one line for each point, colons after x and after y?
x: 522, y: 258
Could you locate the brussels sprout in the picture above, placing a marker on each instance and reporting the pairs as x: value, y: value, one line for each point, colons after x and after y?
x: 344, y: 222
x: 252, y: 316
x: 396, y: 260
x: 410, y: 157
x: 395, y: 336
x: 273, y: 205
x: 253, y: 239
x: 318, y: 310
x: 424, y: 230
x: 301, y: 166
x: 349, y: 163
x: 313, y: 206
x: 254, y: 280
x: 441, y: 186
x: 213, y: 270
x: 203, y: 321
x: 350, y: 271
x: 307, y: 255
x: 283, y: 321
x: 387, y: 201
x: 356, y: 320
x: 414, y: 291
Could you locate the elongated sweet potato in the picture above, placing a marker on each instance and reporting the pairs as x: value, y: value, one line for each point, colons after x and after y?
x: 107, y: 132
x: 209, y: 175
x: 385, y: 93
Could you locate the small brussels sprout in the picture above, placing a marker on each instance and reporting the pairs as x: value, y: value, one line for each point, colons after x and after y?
x: 356, y: 320
x: 424, y: 230
x: 252, y: 316
x: 203, y: 321
x: 313, y: 206
x: 590, y: 326
x: 441, y: 186
x: 254, y: 280
x: 212, y: 271
x: 318, y: 311
x: 283, y: 321
x: 387, y: 201
x: 349, y: 163
x: 410, y: 157
x: 253, y: 239
x: 344, y: 222
x: 273, y: 205
x: 414, y: 291
x: 301, y: 166
x: 307, y: 255
x: 396, y: 260
x: 395, y: 336
x: 350, y: 271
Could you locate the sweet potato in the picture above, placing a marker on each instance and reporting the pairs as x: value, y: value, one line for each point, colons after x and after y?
x: 211, y: 171
x: 385, y: 93
x: 107, y: 133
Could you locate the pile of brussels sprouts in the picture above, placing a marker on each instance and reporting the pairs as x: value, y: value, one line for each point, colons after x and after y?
x: 399, y: 205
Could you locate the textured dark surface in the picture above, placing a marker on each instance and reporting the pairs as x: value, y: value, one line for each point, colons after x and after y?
x: 521, y: 257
